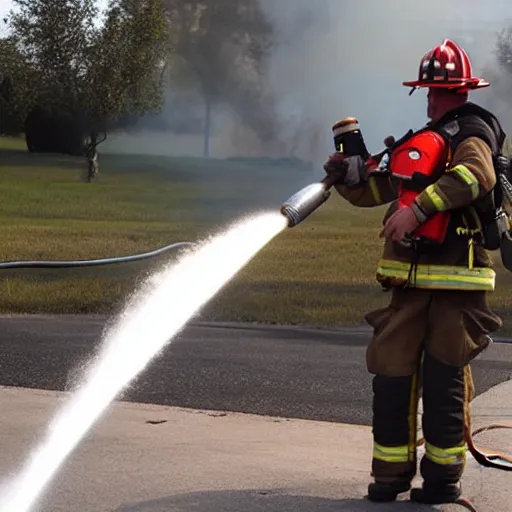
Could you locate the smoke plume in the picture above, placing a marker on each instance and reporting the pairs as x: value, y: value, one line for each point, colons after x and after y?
x: 342, y: 58
x: 338, y: 58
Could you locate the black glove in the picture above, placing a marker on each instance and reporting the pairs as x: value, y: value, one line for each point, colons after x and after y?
x: 351, y: 170
x: 336, y: 165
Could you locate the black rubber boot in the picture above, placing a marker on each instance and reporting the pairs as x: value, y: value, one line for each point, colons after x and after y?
x: 436, y: 494
x: 382, y: 493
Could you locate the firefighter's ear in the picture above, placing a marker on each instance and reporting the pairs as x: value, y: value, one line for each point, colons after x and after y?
x: 389, y: 141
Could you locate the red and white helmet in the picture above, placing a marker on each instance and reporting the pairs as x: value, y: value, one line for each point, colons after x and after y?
x: 447, y: 66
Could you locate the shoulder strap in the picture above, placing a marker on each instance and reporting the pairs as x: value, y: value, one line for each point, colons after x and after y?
x: 471, y: 120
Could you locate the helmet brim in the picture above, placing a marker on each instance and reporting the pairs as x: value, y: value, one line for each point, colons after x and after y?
x: 455, y: 84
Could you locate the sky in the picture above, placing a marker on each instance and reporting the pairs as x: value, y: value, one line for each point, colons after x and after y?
x: 6, y: 6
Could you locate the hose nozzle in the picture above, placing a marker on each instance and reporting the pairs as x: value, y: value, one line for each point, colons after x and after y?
x: 305, y: 202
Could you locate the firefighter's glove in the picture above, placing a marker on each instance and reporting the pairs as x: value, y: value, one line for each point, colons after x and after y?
x: 336, y: 165
x: 403, y: 222
x: 351, y: 170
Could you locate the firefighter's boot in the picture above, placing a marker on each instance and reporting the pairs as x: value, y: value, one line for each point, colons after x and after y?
x: 382, y: 493
x: 445, y: 416
x: 432, y: 494
x: 394, y: 436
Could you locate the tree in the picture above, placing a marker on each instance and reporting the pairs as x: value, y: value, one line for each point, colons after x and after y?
x: 126, y: 63
x: 499, y: 74
x: 54, y: 37
x: 225, y: 45
x: 16, y: 84
x: 89, y: 73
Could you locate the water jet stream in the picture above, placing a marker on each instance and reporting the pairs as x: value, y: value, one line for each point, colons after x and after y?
x: 154, y: 315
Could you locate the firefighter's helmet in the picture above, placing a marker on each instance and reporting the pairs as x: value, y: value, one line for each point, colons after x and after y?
x: 447, y: 66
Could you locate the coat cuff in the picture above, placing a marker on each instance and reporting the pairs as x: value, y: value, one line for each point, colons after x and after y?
x: 419, y: 212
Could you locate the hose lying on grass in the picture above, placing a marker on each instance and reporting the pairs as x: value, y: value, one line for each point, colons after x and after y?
x: 92, y: 263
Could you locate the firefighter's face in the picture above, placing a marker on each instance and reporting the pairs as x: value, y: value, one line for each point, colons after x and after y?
x: 441, y: 101
x: 434, y: 104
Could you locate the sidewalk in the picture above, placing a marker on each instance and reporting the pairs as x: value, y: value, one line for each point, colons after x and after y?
x: 143, y: 458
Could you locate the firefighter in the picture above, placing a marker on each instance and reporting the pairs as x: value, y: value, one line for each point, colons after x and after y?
x: 437, y: 181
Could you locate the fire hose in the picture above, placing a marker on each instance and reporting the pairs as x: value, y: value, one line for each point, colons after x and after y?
x: 485, y: 458
x: 93, y: 263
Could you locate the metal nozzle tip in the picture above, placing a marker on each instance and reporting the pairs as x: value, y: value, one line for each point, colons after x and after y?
x: 291, y: 214
x: 304, y: 202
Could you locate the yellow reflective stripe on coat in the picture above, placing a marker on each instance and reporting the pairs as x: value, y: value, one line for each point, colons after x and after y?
x: 441, y: 277
x: 468, y: 177
x: 375, y: 190
x: 445, y: 456
x: 391, y: 453
x: 436, y: 199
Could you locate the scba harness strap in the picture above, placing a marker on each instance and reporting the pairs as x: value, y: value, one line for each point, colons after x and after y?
x: 484, y: 223
x: 485, y: 218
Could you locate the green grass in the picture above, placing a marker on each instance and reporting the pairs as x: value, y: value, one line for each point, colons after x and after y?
x: 320, y: 273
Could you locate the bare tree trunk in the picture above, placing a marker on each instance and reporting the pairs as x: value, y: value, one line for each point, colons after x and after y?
x: 207, y: 127
x: 91, y: 154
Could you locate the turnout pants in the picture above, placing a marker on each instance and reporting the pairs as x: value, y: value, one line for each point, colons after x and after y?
x: 422, y: 345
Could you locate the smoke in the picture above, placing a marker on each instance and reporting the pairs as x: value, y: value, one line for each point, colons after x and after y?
x: 333, y: 58
x: 338, y: 58
x: 342, y: 58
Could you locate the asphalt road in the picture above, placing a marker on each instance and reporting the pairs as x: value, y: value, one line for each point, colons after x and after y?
x: 308, y: 374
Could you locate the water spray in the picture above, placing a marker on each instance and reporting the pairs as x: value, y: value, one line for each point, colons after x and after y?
x: 155, y: 314
x: 348, y: 141
x: 146, y: 326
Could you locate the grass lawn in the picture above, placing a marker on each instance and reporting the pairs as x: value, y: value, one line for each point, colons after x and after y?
x: 320, y: 273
